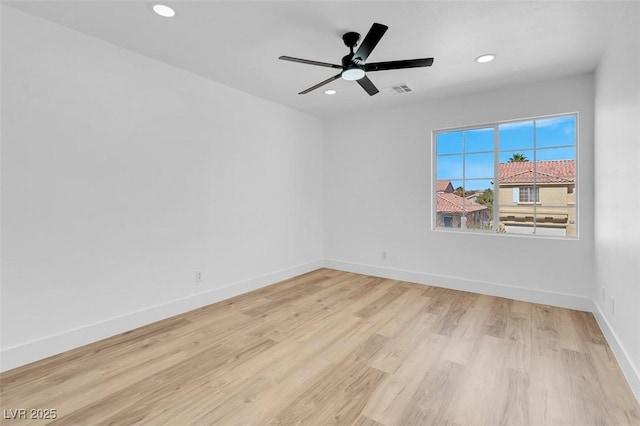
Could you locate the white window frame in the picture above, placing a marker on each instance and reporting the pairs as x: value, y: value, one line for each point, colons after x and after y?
x: 496, y: 191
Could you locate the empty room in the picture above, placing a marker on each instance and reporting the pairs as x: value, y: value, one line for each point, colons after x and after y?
x: 320, y: 212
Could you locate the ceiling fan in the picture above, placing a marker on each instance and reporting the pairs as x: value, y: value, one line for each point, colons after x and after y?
x: 354, y: 66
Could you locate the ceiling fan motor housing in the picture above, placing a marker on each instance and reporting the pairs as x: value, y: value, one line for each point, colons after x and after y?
x: 351, y: 39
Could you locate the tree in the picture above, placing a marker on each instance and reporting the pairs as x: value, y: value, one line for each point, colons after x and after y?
x: 518, y: 158
x: 460, y: 192
x: 486, y: 198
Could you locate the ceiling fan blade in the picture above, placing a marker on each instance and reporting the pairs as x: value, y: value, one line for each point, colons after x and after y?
x: 369, y: 43
x: 395, y: 65
x: 329, y: 80
x: 308, y: 62
x: 368, y: 86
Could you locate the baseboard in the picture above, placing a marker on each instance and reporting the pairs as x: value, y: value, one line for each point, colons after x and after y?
x: 630, y: 371
x: 562, y: 300
x: 16, y: 356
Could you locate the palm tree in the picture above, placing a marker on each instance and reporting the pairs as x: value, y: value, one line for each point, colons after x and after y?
x: 518, y: 158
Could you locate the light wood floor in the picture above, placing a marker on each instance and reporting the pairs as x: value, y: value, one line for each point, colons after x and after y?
x: 332, y: 347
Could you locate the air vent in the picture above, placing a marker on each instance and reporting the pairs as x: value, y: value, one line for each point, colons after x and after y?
x: 400, y: 88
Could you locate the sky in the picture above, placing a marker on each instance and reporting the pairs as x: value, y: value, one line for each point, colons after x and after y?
x: 469, y: 154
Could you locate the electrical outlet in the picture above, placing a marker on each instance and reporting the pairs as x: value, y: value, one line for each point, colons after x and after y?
x: 384, y: 255
x: 613, y: 306
x: 198, y: 276
x: 603, y: 294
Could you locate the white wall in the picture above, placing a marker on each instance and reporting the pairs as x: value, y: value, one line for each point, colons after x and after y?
x: 378, y: 198
x: 617, y: 228
x: 122, y: 176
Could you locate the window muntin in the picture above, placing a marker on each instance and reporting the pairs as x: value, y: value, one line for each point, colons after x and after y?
x: 516, y: 177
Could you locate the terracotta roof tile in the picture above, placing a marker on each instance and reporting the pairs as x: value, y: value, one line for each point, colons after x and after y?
x: 555, y: 171
x: 447, y: 202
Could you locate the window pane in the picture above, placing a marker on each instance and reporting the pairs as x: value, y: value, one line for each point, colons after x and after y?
x: 479, y: 196
x: 515, y: 136
x: 455, y: 184
x: 546, y: 154
x: 449, y: 167
x: 478, y: 184
x: 556, y: 131
x: 479, y: 140
x: 510, y: 156
x: 515, y: 217
x: 555, y: 220
x: 450, y: 208
x: 457, y: 207
x: 478, y: 166
x: 514, y: 212
x: 449, y: 143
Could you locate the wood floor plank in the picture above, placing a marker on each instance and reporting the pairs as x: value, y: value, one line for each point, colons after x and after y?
x: 291, y: 383
x: 389, y: 401
x: 332, y: 347
x: 434, y: 395
x: 332, y: 397
x: 393, y: 354
x: 451, y: 318
x: 408, y: 306
x: 517, y: 407
x: 472, y: 403
x: 392, y: 293
x: 365, y: 421
x: 496, y: 323
x: 465, y: 338
x: 622, y: 405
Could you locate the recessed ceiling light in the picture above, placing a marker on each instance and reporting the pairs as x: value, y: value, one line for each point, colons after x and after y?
x: 330, y: 92
x: 485, y: 58
x: 164, y: 10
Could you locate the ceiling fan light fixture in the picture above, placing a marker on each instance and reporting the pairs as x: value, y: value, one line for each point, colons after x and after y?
x: 483, y: 59
x: 353, y: 73
x: 164, y: 10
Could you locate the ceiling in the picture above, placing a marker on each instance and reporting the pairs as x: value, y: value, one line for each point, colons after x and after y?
x: 238, y: 43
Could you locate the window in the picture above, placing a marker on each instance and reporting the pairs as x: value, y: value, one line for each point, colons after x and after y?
x: 516, y: 177
x: 526, y: 194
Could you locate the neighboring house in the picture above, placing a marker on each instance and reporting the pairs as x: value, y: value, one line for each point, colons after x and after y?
x: 544, y: 190
x: 474, y: 197
x: 453, y: 211
x: 444, y: 186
